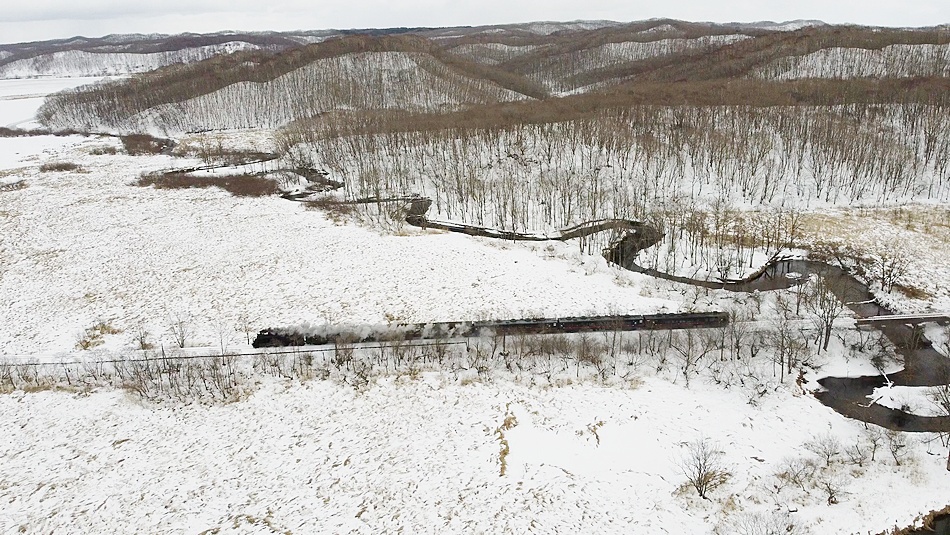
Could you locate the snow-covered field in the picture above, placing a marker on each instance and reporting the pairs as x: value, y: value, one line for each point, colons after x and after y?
x: 434, y: 452
x: 19, y: 99
x: 423, y: 455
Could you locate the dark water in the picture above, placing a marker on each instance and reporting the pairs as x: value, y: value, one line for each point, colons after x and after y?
x: 941, y: 526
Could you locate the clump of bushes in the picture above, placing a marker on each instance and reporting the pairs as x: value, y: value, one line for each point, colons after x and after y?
x: 13, y: 186
x: 237, y: 185
x: 12, y: 132
x: 139, y: 144
x: 335, y: 209
x: 218, y: 154
x: 59, y: 167
x: 103, y: 150
x: 19, y: 132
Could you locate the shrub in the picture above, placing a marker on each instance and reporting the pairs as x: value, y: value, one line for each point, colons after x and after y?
x: 797, y: 471
x: 103, y: 150
x: 12, y: 132
x: 237, y: 185
x: 826, y: 446
x: 897, y: 444
x: 139, y: 144
x: 59, y: 166
x: 94, y: 336
x: 335, y: 209
x: 13, y: 186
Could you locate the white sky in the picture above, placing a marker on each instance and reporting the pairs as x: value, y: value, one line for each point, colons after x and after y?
x: 31, y: 20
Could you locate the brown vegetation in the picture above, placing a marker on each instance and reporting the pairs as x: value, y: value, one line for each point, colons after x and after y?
x: 59, y: 167
x: 237, y: 185
x: 13, y: 186
x: 141, y: 144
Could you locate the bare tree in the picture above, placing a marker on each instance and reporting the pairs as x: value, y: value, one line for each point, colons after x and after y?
x: 224, y: 331
x: 875, y: 439
x: 897, y: 443
x: 798, y: 471
x: 832, y: 484
x: 775, y: 523
x: 690, y: 347
x: 890, y: 261
x: 142, y: 337
x: 703, y: 467
x: 245, y: 324
x: 824, y: 305
x: 940, y: 399
x: 179, y: 324
x: 826, y: 446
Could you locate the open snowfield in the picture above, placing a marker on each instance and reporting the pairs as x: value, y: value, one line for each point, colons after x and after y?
x: 19, y: 99
x: 433, y: 452
x: 424, y: 455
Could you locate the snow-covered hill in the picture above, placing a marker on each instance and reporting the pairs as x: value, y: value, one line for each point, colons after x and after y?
x: 362, y: 81
x: 81, y: 63
x: 787, y: 26
x: 558, y: 72
x: 843, y: 63
x: 491, y: 53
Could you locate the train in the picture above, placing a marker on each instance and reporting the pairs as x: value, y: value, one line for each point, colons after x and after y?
x: 282, y: 337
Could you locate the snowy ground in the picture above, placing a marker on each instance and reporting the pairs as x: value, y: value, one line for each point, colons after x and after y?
x: 19, y: 99
x: 417, y: 453
x: 424, y: 455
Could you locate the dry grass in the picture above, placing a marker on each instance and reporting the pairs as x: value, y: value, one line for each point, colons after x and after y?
x: 850, y: 224
x: 95, y: 336
x: 504, y: 448
x: 19, y: 184
x: 336, y: 210
x: 237, y: 185
x: 61, y: 167
x: 923, y: 230
x: 138, y: 144
x: 103, y: 150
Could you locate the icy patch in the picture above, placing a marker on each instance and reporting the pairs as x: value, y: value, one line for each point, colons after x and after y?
x: 910, y: 399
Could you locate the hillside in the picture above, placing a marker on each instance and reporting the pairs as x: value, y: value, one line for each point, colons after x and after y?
x: 269, y: 90
x: 128, y: 54
x: 70, y: 63
x: 609, y: 65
